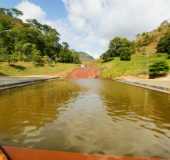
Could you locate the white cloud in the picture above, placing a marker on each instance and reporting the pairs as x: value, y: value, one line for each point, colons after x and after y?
x: 31, y: 10
x: 103, y: 19
x: 92, y: 23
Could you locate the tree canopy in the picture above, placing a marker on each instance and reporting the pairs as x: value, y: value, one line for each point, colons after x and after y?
x: 164, y: 44
x: 119, y: 47
x: 31, y: 41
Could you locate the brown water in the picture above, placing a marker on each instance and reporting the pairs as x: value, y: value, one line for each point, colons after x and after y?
x: 87, y: 116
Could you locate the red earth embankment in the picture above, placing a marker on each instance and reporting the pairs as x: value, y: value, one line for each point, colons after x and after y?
x: 84, y: 73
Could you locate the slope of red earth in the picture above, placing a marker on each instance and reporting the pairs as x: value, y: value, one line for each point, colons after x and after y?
x: 84, y: 73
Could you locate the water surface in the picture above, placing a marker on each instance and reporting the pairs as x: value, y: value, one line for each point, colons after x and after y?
x: 87, y: 116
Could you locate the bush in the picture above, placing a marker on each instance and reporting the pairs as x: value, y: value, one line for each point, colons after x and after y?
x: 125, y: 54
x: 37, y: 58
x: 168, y: 56
x: 13, y: 58
x: 158, y: 69
x: 164, y: 44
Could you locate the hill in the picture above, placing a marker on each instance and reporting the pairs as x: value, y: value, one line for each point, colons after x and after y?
x: 85, y: 57
x: 146, y: 42
x: 144, y: 49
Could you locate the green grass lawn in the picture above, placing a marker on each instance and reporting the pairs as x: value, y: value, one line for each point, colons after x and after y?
x: 26, y: 68
x: 137, y: 66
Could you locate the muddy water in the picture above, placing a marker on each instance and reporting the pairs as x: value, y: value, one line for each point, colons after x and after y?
x: 87, y: 116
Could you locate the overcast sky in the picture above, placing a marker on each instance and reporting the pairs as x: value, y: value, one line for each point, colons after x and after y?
x: 88, y: 25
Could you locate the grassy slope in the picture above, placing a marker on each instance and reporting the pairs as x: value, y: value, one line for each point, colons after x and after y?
x: 23, y: 69
x: 139, y: 63
x: 137, y: 66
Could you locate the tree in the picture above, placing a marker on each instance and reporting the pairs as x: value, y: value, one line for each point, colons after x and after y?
x: 125, y: 54
x: 37, y: 58
x: 106, y: 57
x: 158, y: 69
x: 65, y: 46
x: 164, y: 44
x: 16, y: 13
x: 13, y: 12
x: 31, y: 41
x: 119, y: 47
x: 13, y: 58
x: 76, y: 58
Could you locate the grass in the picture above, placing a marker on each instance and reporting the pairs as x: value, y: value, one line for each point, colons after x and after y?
x: 27, y: 68
x: 137, y: 66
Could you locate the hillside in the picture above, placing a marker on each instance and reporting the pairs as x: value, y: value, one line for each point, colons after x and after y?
x: 85, y: 57
x: 139, y: 55
x: 138, y: 66
x: 146, y: 42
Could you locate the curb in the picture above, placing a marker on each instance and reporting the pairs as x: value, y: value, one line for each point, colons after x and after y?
x: 24, y: 83
x: 147, y: 86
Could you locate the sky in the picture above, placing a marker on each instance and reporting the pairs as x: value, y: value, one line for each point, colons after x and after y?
x: 89, y: 25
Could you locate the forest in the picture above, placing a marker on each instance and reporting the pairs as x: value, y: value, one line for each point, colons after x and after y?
x: 31, y: 41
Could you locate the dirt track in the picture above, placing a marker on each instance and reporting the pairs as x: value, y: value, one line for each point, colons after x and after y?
x: 82, y: 73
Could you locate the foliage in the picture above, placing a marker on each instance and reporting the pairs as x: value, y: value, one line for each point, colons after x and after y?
x: 37, y: 58
x: 31, y: 41
x: 137, y: 66
x: 119, y: 47
x: 13, y: 58
x: 125, y: 54
x: 158, y: 69
x: 164, y: 44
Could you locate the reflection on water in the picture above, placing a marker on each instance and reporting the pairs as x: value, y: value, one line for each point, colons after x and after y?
x: 107, y: 118
x: 24, y: 111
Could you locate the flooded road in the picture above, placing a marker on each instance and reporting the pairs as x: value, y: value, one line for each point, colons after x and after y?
x: 87, y: 116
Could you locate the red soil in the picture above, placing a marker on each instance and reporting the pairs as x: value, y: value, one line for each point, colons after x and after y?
x: 82, y: 73
x: 31, y: 154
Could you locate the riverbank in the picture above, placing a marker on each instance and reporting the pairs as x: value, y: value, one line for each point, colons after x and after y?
x: 13, y: 82
x: 135, y: 72
x: 25, y: 73
x: 159, y: 84
x: 27, y: 69
x: 137, y: 66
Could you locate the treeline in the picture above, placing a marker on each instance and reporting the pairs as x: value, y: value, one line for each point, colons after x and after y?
x: 31, y: 41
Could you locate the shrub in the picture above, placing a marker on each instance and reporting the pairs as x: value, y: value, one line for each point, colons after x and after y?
x: 164, y: 44
x: 125, y: 54
x: 13, y: 58
x: 158, y: 69
x: 37, y: 58
x: 168, y: 56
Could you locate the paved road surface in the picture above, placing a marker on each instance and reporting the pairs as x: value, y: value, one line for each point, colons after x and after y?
x: 159, y: 84
x: 11, y: 82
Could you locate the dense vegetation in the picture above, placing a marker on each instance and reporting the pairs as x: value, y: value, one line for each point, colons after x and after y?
x: 150, y: 54
x: 164, y: 45
x: 119, y: 47
x: 31, y: 41
x: 158, y: 69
